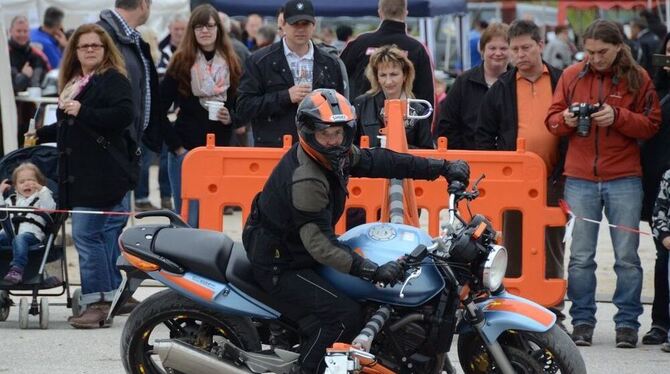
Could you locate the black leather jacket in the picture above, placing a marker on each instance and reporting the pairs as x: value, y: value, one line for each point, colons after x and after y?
x: 263, y: 96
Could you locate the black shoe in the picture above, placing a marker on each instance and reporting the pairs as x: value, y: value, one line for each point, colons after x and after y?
x: 626, y: 337
x: 655, y: 336
x: 128, y: 307
x: 582, y: 335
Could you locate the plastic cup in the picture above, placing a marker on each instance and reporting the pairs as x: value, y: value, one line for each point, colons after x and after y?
x: 213, y: 107
x: 34, y: 92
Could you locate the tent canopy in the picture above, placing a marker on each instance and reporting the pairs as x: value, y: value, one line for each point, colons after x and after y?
x: 329, y: 8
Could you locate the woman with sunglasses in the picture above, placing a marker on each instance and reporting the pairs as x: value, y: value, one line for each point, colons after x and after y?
x: 204, y: 71
x: 95, y: 113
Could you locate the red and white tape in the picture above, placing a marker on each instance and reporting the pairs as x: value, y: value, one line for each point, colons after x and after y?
x: 73, y: 211
x: 569, y: 226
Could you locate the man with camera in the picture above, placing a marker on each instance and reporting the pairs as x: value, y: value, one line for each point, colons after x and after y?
x: 616, y: 108
x: 515, y: 107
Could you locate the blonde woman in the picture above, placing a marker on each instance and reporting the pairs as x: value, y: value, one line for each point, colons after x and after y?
x: 94, y: 103
x: 391, y: 75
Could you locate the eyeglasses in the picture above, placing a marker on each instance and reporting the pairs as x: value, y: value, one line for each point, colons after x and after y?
x: 209, y: 26
x: 86, y: 47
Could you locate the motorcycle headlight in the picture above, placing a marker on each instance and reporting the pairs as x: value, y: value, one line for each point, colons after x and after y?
x: 495, y: 267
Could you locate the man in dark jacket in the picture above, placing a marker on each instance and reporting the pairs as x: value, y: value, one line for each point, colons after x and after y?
x: 515, y: 107
x: 121, y: 23
x: 648, y: 42
x: 29, y: 65
x: 309, y: 185
x: 458, y: 113
x: 277, y: 78
x: 392, y: 30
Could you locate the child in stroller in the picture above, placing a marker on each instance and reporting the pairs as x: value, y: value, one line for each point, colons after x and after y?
x: 29, y: 229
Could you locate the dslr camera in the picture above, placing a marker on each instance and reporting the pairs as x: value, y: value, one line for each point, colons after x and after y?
x: 583, y: 113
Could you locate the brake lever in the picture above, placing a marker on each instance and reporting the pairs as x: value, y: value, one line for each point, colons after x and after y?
x: 415, y: 274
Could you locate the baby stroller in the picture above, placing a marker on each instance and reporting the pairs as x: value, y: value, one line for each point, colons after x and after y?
x: 35, y: 279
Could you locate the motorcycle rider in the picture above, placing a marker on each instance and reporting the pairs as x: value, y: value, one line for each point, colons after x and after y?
x: 290, y: 230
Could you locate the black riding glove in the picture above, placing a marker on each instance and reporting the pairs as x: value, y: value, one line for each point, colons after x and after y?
x: 362, y: 267
x: 390, y: 273
x: 457, y: 170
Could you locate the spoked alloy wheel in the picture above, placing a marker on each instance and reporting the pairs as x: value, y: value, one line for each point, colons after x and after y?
x: 167, y: 315
x: 550, y: 352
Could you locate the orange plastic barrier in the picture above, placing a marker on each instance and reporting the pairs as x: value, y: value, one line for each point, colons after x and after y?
x: 222, y: 176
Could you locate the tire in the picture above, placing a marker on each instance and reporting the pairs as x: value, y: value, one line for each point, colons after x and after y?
x: 5, y: 303
x: 77, y: 308
x: 553, y: 350
x: 24, y: 308
x: 180, y: 315
x: 44, y: 313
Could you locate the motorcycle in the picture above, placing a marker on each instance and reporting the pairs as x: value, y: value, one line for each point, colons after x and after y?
x: 214, y: 318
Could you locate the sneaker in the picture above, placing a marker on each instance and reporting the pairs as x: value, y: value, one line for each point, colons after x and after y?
x: 655, y: 336
x: 228, y: 211
x: 144, y: 206
x: 582, y: 335
x: 14, y: 275
x: 665, y: 347
x: 166, y: 203
x: 626, y: 337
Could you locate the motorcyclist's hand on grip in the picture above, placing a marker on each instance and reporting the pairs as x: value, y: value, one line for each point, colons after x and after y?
x: 390, y: 273
x: 457, y: 170
x: 363, y: 268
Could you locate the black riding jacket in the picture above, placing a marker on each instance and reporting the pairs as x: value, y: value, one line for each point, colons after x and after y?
x: 292, y: 220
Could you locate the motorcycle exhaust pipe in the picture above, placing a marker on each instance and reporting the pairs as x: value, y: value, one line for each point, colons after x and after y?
x: 184, y: 358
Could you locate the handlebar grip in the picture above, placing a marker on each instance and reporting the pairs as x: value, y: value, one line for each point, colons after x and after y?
x: 455, y: 187
x: 175, y: 220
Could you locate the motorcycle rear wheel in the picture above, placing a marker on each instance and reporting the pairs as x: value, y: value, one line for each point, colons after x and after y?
x: 185, y: 320
x: 553, y: 351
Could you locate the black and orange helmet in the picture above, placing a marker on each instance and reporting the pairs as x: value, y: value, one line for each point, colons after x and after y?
x: 321, y: 109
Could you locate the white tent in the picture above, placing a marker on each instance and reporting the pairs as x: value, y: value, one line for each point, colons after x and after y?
x: 76, y: 12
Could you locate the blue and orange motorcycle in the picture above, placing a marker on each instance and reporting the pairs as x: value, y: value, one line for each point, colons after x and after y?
x: 214, y: 318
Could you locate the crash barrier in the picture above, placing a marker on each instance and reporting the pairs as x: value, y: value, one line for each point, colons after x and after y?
x: 232, y: 176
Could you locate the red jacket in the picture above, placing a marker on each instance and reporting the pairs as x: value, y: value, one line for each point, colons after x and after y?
x: 611, y: 152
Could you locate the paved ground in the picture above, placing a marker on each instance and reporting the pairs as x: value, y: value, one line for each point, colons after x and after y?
x: 62, y: 349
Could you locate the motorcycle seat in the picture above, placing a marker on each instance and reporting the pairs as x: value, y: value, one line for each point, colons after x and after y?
x: 203, y: 252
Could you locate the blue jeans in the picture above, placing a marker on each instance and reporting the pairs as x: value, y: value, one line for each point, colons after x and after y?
x: 174, y: 170
x: 142, y: 189
x: 94, y: 261
x: 622, y: 201
x: 112, y: 229
x: 20, y: 246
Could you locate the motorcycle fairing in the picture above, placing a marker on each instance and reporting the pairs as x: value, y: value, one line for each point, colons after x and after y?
x: 383, y: 242
x: 223, y: 297
x: 506, y: 311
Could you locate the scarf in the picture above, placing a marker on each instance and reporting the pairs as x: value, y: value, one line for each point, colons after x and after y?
x: 73, y: 88
x: 210, y: 80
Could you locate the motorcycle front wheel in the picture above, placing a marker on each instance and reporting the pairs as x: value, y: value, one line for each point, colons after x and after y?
x: 529, y: 352
x: 168, y: 315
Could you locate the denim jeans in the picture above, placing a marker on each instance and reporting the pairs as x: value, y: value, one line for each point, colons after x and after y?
x: 112, y: 229
x: 622, y: 201
x: 142, y: 189
x: 94, y: 261
x: 20, y: 246
x: 174, y: 169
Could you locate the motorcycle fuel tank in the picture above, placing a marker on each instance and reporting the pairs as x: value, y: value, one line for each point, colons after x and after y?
x: 383, y: 242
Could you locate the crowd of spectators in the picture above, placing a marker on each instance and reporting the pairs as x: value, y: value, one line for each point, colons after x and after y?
x: 244, y: 81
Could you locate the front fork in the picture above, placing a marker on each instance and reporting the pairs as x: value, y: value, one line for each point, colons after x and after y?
x: 476, y: 319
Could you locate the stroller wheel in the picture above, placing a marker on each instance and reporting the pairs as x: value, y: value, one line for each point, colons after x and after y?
x: 44, y: 313
x: 24, y: 307
x: 77, y: 308
x: 5, y: 303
